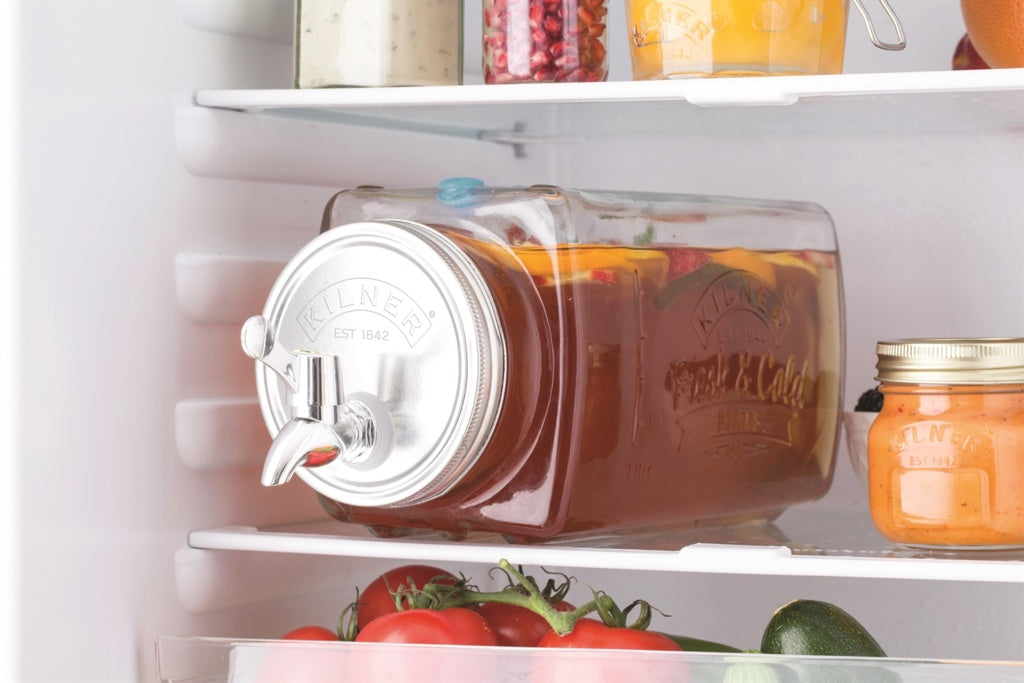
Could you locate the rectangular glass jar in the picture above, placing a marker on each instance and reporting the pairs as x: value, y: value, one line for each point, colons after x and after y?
x: 673, y: 360
x: 378, y: 43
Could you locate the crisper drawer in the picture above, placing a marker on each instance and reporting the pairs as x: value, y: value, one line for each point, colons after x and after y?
x: 182, y: 660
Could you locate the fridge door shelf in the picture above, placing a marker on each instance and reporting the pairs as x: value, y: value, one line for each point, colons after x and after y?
x: 183, y: 659
x: 575, y: 112
x: 804, y: 542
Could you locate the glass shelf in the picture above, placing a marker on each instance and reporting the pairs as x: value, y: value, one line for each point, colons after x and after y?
x: 804, y: 541
x: 567, y: 112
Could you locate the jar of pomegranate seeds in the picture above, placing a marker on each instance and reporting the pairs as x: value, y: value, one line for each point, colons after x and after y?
x: 529, y: 41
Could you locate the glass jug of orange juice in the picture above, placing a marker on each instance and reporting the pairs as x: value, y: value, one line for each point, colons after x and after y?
x: 686, y: 38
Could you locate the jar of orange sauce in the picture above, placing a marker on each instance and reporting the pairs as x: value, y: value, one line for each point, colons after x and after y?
x: 946, y: 453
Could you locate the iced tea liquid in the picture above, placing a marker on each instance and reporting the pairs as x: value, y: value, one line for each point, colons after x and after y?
x: 649, y: 387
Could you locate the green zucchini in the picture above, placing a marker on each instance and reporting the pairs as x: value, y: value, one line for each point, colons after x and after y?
x: 697, y: 645
x: 812, y: 627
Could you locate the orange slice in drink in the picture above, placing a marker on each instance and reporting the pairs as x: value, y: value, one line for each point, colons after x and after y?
x: 763, y: 264
x: 600, y: 263
x: 595, y: 262
x: 750, y: 261
x: 807, y: 260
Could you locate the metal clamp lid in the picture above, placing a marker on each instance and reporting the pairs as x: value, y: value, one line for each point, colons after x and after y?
x: 873, y: 35
x: 405, y: 315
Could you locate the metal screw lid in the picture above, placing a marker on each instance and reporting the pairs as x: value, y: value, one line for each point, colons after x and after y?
x: 413, y: 325
x: 966, y: 361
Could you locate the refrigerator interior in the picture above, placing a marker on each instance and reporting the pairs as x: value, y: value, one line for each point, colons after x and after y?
x: 141, y: 228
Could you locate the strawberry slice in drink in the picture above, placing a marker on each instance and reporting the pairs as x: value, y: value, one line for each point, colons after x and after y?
x: 684, y: 261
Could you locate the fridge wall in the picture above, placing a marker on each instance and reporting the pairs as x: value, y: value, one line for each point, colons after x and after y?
x: 143, y: 223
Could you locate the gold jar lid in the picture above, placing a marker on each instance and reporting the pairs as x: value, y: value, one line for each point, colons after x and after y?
x: 995, y: 360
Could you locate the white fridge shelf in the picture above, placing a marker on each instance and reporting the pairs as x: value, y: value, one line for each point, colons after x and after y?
x: 572, y: 112
x: 804, y: 542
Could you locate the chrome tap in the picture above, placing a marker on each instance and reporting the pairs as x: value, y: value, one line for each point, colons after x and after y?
x: 323, y: 426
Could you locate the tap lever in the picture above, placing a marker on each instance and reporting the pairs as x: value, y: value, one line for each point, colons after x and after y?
x: 258, y: 343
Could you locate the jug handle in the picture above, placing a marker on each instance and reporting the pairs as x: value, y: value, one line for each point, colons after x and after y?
x: 873, y: 35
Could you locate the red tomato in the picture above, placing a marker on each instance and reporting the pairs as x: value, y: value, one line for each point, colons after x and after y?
x: 452, y: 626
x: 606, y: 667
x: 383, y: 651
x: 296, y: 662
x: 377, y: 600
x: 311, y: 633
x: 591, y: 633
x: 517, y: 626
